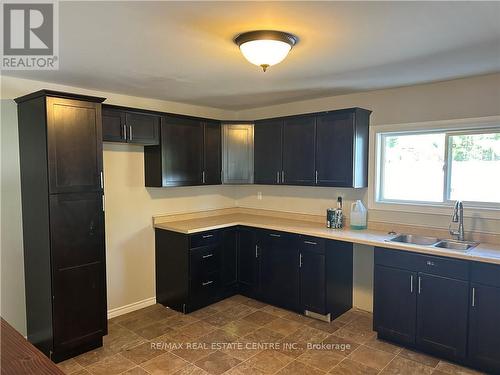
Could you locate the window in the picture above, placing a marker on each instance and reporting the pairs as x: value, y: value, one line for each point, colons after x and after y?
x: 436, y: 167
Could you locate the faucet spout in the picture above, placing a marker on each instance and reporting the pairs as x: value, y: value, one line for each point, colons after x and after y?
x: 458, y: 217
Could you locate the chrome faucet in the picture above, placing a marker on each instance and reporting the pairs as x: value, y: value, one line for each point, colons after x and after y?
x: 458, y: 217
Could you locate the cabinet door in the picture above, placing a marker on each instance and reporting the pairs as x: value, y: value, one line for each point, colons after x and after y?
x: 248, y: 263
x: 484, y: 328
x: 113, y: 126
x: 79, y: 305
x: 229, y: 264
x: 76, y: 229
x: 395, y: 304
x: 74, y: 145
x: 182, y: 151
x: 237, y: 164
x: 442, y: 315
x: 279, y: 270
x: 312, y: 282
x: 142, y: 128
x: 298, y: 151
x: 334, y: 149
x: 267, y: 152
x: 212, y: 153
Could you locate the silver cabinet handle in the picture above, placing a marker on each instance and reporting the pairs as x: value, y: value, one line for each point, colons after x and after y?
x: 130, y: 132
x: 207, y: 236
x: 310, y: 242
x: 411, y: 284
x: 102, y: 181
x: 282, y: 177
x: 274, y: 235
x: 316, y: 177
x: 256, y: 251
x: 300, y: 260
x: 207, y: 256
x: 103, y: 201
x: 419, y: 285
x: 473, y: 297
x: 278, y: 177
x: 124, y: 132
x: 207, y: 283
x: 203, y: 176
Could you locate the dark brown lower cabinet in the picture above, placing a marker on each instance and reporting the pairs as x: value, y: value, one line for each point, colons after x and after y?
x: 63, y: 222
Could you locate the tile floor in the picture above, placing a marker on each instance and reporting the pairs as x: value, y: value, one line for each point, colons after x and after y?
x: 241, y: 336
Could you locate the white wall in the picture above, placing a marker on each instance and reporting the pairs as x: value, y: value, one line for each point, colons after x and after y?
x: 129, y: 205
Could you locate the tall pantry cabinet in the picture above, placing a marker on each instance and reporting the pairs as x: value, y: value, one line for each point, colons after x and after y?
x: 60, y: 145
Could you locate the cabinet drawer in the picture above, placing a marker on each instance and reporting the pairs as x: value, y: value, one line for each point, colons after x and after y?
x: 484, y: 273
x: 204, y: 239
x: 312, y: 244
x: 204, y: 289
x: 430, y: 264
x: 204, y: 260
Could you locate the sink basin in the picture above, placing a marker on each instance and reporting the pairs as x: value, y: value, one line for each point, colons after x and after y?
x: 455, y: 245
x: 415, y: 240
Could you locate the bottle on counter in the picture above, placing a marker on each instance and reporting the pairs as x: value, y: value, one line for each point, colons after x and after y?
x: 358, y: 215
x: 330, y: 217
x: 339, y: 215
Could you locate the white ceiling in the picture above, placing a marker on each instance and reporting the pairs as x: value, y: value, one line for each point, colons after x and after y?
x: 183, y: 51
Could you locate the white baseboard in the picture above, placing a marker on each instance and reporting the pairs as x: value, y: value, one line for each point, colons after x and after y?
x: 131, y: 307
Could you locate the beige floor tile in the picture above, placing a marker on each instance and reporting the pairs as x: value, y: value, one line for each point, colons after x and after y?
x: 217, y: 363
x: 322, y: 359
x: 348, y: 367
x: 283, y: 326
x: 239, y: 311
x: 224, y: 305
x: 419, y: 357
x: 348, y: 316
x: 451, y: 368
x: 191, y: 369
x: 240, y: 327
x: 83, y: 371
x: 115, y: 364
x: 275, y: 311
x: 386, y: 346
x: 141, y: 353
x: 341, y: 345
x: 307, y: 334
x: 179, y: 321
x: 94, y: 356
x: 193, y: 353
x: 137, y: 322
x: 69, y: 366
x: 264, y: 335
x: 255, y: 304
x: 160, y: 312
x: 269, y: 361
x: 244, y: 369
x: 123, y: 341
x: 218, y: 336
x: 355, y: 334
x: 154, y: 330
x: 242, y: 349
x: 203, y: 313
x: 167, y: 363
x: 401, y: 365
x: 259, y: 318
x: 298, y: 368
x: 135, y: 371
x: 197, y: 329
x: 219, y: 319
x: 374, y: 358
x: 324, y: 326
x: 298, y: 318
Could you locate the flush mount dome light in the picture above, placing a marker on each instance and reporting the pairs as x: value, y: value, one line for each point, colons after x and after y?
x: 265, y: 47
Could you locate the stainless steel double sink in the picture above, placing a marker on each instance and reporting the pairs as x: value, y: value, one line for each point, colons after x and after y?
x: 413, y: 239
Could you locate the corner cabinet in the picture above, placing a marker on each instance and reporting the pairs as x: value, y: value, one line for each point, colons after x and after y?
x: 318, y: 149
x: 127, y: 125
x: 63, y: 221
x: 189, y: 153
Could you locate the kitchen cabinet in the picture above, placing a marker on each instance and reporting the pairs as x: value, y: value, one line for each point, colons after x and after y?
x: 422, y: 300
x: 342, y: 148
x: 128, y: 125
x: 317, y: 149
x: 312, y: 275
x: 249, y: 256
x: 395, y: 303
x: 484, y: 330
x: 189, y: 153
x: 60, y: 137
x: 268, y: 153
x: 212, y: 153
x: 279, y: 269
x: 237, y: 153
x: 229, y: 261
x: 299, y: 136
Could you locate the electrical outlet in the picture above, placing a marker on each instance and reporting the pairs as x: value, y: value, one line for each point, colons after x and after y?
x: 259, y: 196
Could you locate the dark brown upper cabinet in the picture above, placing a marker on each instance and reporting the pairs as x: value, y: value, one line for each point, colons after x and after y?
x: 268, y: 151
x: 130, y: 126
x: 189, y: 153
x: 342, y: 148
x: 319, y: 149
x: 298, y: 151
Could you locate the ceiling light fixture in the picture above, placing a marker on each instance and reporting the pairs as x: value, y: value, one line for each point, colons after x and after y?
x: 265, y: 47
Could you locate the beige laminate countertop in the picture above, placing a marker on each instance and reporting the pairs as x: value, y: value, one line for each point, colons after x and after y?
x: 484, y: 252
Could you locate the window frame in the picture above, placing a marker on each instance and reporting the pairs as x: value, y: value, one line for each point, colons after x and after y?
x: 451, y: 128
